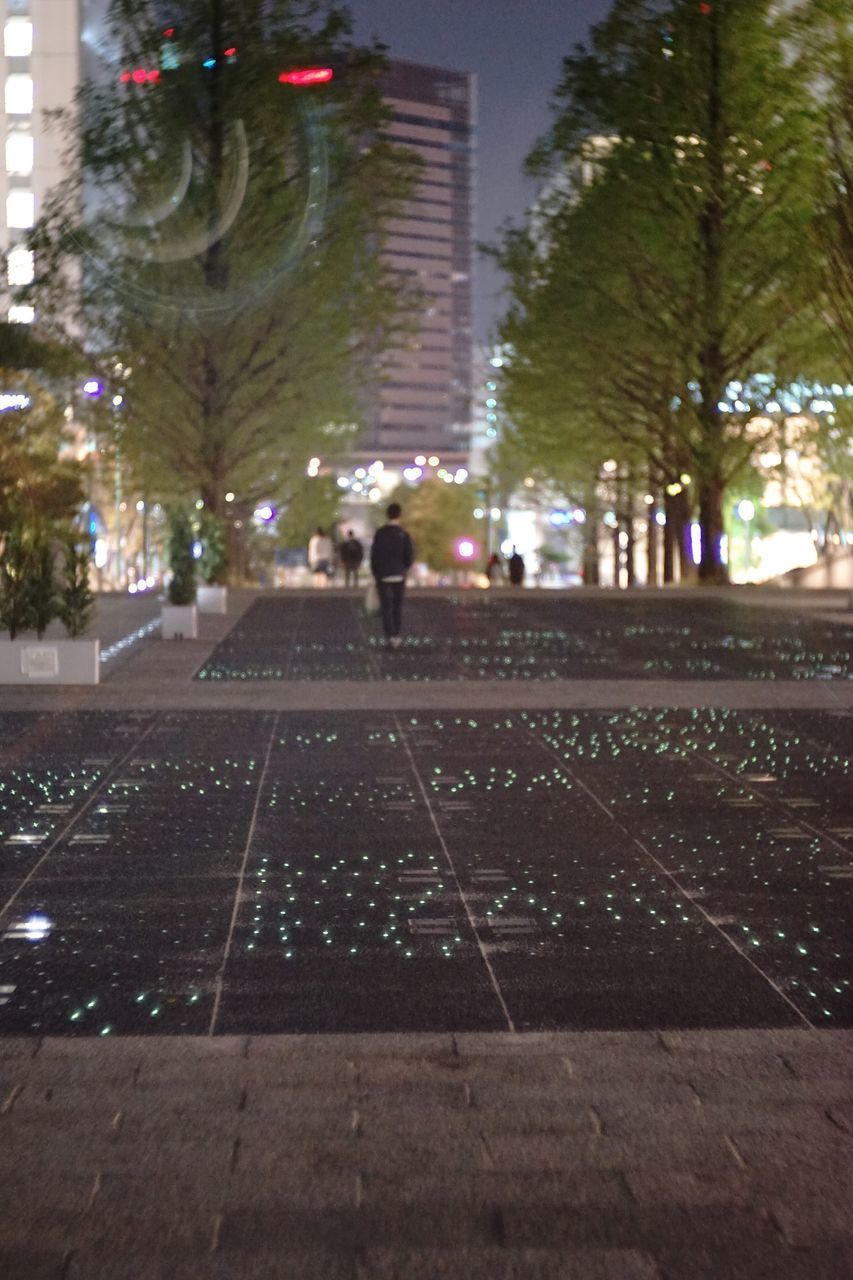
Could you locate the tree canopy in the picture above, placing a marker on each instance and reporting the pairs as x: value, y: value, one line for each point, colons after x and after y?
x: 222, y: 239
x: 666, y: 269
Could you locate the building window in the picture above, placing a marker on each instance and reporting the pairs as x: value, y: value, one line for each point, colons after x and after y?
x: 21, y: 315
x: 20, y: 210
x: 20, y: 266
x: 18, y: 38
x: 19, y: 95
x: 19, y: 153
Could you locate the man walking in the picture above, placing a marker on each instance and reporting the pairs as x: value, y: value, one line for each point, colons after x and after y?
x: 391, y: 557
x: 351, y: 553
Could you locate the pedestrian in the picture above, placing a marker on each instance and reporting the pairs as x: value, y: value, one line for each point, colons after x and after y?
x: 516, y: 568
x: 391, y: 557
x: 320, y: 554
x: 494, y: 569
x: 352, y: 553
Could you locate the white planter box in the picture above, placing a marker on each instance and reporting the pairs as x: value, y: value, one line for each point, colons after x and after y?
x: 179, y: 622
x: 212, y: 599
x: 32, y: 661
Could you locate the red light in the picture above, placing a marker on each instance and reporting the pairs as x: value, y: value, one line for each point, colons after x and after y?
x: 169, y: 32
x: 704, y: 8
x: 231, y: 53
x: 307, y: 75
x: 140, y: 76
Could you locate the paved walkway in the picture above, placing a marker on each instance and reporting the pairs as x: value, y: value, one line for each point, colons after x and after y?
x: 667, y: 1152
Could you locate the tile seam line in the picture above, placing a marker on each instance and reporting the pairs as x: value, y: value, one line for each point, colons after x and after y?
x: 770, y: 801
x: 510, y: 1025
x: 219, y: 981
x: 107, y: 778
x: 239, y: 618
x: 673, y: 880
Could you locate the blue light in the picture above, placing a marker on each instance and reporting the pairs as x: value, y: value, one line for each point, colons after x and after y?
x: 209, y: 62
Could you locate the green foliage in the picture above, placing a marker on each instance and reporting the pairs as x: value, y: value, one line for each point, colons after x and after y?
x: 182, y: 588
x: 41, y: 583
x: 76, y: 602
x: 252, y: 306
x: 16, y: 564
x: 21, y: 349
x: 35, y: 485
x: 823, y: 36
x: 213, y: 565
x: 667, y: 260
x: 437, y: 514
x: 314, y: 503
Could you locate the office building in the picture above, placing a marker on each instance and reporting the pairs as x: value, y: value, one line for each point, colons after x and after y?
x: 44, y: 54
x: 424, y: 403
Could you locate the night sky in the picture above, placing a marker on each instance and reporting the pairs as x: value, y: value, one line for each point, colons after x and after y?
x: 515, y: 46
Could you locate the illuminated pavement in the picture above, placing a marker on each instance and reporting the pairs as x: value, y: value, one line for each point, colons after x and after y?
x: 602, y: 952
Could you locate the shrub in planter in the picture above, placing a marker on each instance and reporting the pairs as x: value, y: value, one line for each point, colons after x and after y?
x: 182, y: 586
x: 41, y: 584
x: 76, y: 602
x: 213, y: 565
x: 15, y: 594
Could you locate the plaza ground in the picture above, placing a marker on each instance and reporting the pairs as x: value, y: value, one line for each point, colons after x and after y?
x: 524, y: 951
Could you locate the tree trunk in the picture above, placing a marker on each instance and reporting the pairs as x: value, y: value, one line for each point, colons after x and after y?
x: 669, y: 537
x: 627, y: 505
x: 652, y: 547
x: 712, y: 379
x: 712, y: 569
x: 591, y: 574
x: 683, y: 516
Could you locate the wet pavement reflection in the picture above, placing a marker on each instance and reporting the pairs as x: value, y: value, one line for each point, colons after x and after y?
x: 250, y: 872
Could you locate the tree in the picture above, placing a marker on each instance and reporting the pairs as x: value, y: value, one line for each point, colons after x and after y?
x: 311, y: 503
x: 705, y: 169
x: 437, y: 515
x: 229, y: 248
x: 37, y: 487
x: 182, y: 588
x: 823, y: 34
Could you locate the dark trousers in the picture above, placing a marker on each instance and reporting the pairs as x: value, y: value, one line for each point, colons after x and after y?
x: 350, y: 575
x: 391, y: 600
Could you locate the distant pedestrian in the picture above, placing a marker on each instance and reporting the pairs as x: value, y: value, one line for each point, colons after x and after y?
x: 352, y: 553
x: 494, y: 569
x: 516, y: 568
x: 391, y: 557
x: 320, y: 555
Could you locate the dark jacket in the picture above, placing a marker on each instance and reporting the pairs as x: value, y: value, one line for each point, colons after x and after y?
x: 392, y: 553
x: 352, y: 553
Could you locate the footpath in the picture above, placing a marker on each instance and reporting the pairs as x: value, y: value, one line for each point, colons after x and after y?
x: 653, y: 1154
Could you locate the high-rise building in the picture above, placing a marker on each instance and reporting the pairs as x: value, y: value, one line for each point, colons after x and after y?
x: 424, y: 403
x: 44, y: 53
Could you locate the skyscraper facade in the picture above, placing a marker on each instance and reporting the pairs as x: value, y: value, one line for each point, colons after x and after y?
x: 44, y: 54
x: 423, y: 405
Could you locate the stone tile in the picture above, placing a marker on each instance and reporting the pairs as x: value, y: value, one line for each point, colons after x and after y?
x: 503, y: 1264
x: 32, y: 1263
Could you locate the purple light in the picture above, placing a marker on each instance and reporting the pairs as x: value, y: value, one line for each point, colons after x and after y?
x: 466, y: 549
x: 93, y: 387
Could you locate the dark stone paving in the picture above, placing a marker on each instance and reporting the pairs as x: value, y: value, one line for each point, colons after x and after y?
x: 477, y: 636
x: 659, y: 899
x: 251, y: 872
